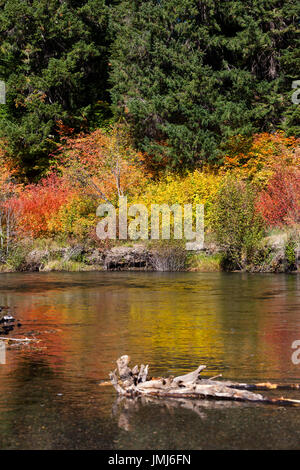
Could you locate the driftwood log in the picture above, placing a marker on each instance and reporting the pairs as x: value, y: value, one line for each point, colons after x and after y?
x: 134, y: 382
x: 19, y: 340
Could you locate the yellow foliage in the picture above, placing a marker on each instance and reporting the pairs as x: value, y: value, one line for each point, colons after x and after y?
x: 197, y: 187
x: 77, y: 217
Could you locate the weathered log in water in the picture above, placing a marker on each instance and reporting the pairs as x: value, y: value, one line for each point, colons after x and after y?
x: 133, y: 382
x: 20, y: 340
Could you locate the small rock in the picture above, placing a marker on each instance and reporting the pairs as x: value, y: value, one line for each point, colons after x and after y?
x: 7, y: 319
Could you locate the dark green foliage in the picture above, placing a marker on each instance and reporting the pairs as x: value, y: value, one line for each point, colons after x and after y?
x: 186, y: 74
x: 290, y: 254
x: 53, y: 58
x: 189, y: 74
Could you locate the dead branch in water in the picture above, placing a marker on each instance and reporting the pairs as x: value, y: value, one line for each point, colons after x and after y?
x: 19, y: 340
x: 133, y: 382
x: 266, y: 386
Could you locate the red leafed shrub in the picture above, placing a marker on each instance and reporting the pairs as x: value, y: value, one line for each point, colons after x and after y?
x: 279, y: 204
x: 38, y: 203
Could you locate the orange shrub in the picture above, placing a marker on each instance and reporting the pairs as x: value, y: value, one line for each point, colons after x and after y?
x: 103, y: 164
x: 258, y: 157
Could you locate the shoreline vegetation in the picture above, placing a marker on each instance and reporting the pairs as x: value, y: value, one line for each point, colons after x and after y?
x: 251, y: 208
x: 163, y: 256
x: 159, y: 102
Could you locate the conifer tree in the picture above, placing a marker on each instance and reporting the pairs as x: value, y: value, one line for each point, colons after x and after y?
x: 189, y: 74
x: 53, y: 58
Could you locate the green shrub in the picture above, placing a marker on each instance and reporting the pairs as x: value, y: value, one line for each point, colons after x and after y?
x: 16, y: 258
x: 290, y: 254
x: 237, y: 226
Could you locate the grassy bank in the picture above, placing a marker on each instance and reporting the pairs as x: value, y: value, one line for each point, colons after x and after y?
x: 279, y: 251
x: 205, y: 263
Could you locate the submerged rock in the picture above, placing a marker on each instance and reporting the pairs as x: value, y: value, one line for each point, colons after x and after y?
x: 7, y: 323
x: 7, y: 319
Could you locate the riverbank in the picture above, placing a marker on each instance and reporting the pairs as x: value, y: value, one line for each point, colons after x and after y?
x: 280, y: 254
x: 252, y: 219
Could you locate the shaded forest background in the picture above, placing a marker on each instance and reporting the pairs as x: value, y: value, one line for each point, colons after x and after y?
x: 163, y: 101
x: 184, y: 75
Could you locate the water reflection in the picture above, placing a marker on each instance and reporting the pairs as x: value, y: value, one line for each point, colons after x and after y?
x: 239, y: 325
x: 125, y: 409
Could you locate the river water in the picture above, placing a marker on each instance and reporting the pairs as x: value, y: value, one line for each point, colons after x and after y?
x: 242, y: 326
